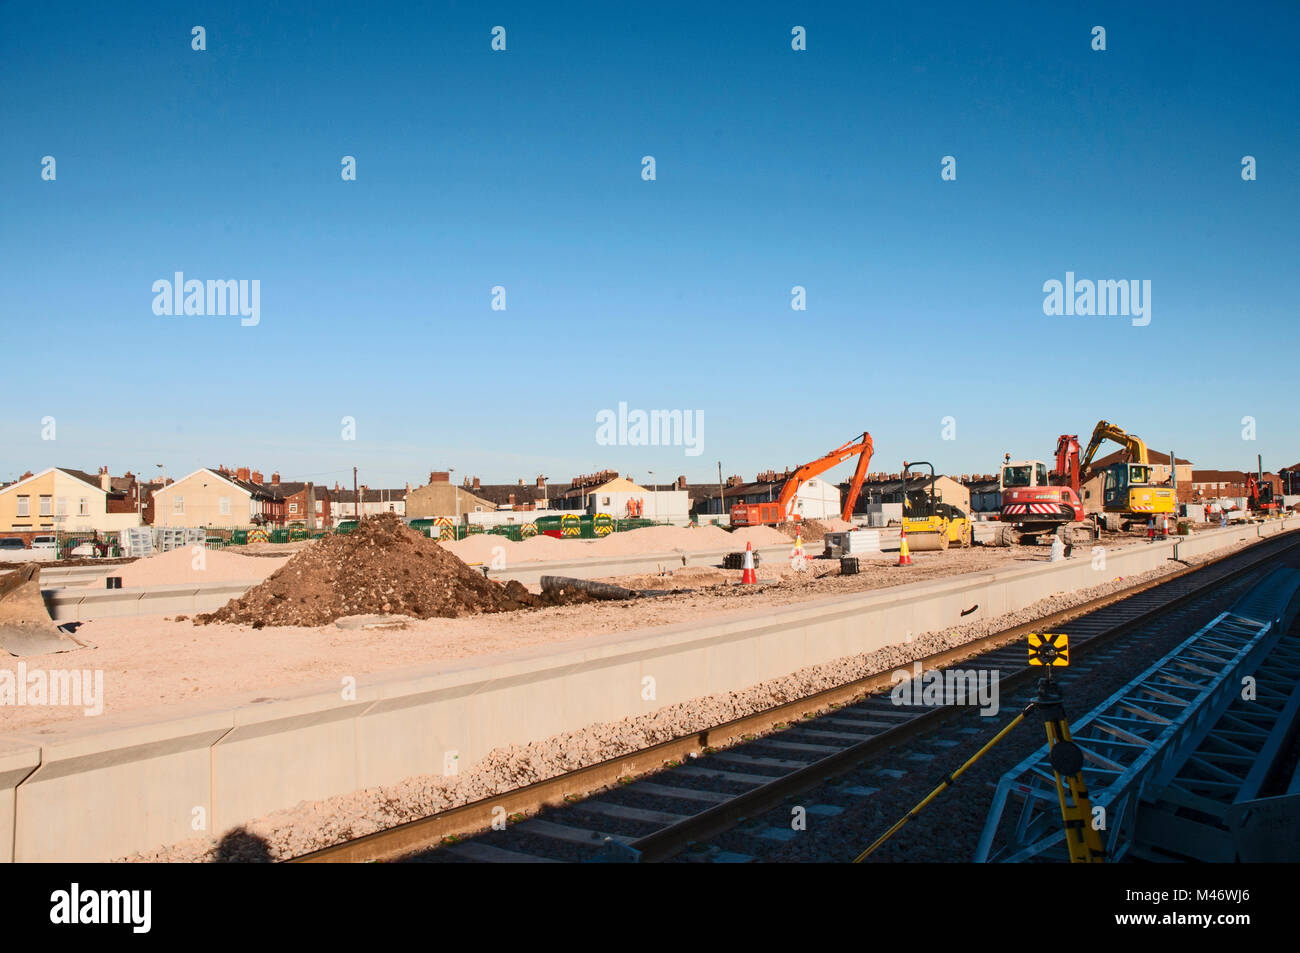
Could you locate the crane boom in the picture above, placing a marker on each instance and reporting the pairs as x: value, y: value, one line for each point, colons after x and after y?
x: 858, y: 445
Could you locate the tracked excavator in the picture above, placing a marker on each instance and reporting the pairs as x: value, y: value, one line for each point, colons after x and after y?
x: 25, y: 626
x: 782, y: 509
x: 1036, y: 502
x: 1128, y: 494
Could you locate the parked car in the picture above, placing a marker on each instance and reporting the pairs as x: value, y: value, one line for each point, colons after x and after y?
x: 13, y: 550
x: 44, y: 543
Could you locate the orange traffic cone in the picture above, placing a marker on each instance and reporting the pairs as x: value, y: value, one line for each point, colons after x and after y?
x: 904, y: 557
x: 748, y: 576
x: 798, y: 561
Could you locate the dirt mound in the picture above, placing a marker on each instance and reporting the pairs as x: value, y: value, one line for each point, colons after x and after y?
x: 380, y: 567
x: 814, y: 531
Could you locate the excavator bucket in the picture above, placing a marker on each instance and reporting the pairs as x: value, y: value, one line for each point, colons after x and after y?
x: 25, y: 626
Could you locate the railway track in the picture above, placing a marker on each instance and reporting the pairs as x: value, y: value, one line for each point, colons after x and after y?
x: 653, y: 804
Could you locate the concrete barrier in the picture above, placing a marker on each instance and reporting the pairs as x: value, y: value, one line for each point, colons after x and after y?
x: 73, y: 603
x: 80, y: 604
x: 106, y: 789
x: 17, y: 760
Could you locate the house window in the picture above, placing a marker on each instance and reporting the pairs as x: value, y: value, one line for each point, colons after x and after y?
x: 223, y: 505
x: 47, y: 505
x: 24, y: 506
x: 83, y: 507
x: 61, y: 506
x: 318, y: 507
x: 293, y: 507
x: 252, y: 507
x: 178, y: 504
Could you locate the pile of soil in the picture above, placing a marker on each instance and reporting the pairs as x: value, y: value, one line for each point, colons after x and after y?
x: 814, y: 531
x: 380, y: 567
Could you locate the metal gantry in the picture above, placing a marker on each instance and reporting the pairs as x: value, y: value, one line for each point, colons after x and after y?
x: 1138, y: 740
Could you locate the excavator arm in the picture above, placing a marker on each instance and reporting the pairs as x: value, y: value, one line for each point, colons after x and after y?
x: 1067, y: 461
x: 1104, y: 430
x: 862, y: 446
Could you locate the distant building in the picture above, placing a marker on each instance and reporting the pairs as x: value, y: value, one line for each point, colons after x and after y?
x: 61, y: 499
x: 442, y: 498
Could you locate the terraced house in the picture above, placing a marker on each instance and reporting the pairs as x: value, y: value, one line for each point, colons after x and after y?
x: 219, y: 497
x: 65, y: 500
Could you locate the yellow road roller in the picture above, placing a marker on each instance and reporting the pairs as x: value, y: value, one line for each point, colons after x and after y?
x: 929, y: 522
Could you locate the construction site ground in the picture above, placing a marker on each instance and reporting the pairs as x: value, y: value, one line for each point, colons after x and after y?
x: 152, y: 662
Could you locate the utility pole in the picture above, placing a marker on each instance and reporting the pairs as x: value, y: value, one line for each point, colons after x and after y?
x: 356, y: 497
x: 722, y: 494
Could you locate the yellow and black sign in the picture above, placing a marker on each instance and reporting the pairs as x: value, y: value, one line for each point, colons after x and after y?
x: 1050, y: 648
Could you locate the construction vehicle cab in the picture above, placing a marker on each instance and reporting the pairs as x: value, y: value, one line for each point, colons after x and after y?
x: 1022, y: 473
x: 929, y: 522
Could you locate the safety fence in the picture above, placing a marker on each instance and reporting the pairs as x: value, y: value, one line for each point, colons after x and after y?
x: 146, y: 540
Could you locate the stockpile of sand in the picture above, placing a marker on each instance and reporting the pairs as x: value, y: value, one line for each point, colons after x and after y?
x: 193, y: 564
x: 485, y: 547
x: 380, y: 567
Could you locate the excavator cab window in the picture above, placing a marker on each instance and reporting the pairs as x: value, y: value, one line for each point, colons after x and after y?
x: 1019, y: 475
x: 1040, y: 474
x: 1138, y: 474
x: 1116, y: 485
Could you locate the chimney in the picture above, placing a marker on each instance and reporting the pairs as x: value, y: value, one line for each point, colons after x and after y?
x: 408, y: 486
x: 336, y: 486
x: 511, y: 499
x: 256, y: 476
x: 541, y: 482
x: 26, y: 476
x: 439, y: 476
x: 242, y: 474
x: 105, y: 481
x: 476, y: 484
x: 275, y: 479
x: 521, y: 481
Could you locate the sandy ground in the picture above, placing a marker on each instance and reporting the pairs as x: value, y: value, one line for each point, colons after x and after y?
x: 312, y: 825
x: 156, y: 662
x: 652, y: 539
x: 193, y: 565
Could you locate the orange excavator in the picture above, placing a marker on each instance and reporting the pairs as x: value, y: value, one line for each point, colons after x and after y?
x: 781, y: 509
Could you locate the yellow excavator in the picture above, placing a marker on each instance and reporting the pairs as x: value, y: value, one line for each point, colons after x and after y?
x: 1128, y: 496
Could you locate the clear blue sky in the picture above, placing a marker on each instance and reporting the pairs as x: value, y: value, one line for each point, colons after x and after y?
x: 523, y: 169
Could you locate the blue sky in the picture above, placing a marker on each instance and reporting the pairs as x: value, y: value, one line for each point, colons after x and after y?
x: 522, y: 168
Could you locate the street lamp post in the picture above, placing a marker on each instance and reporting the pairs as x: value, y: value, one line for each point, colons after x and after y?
x: 654, y: 494
x: 163, y: 467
